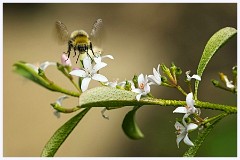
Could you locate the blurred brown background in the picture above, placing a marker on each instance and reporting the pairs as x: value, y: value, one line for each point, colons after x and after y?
x: 139, y: 36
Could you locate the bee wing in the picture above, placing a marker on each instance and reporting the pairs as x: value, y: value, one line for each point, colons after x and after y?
x: 61, y: 32
x: 97, y: 32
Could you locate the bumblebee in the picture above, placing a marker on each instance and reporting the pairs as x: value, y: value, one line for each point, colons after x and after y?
x: 79, y: 40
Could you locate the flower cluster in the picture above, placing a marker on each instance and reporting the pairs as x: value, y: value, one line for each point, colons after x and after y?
x: 142, y: 85
x: 184, y: 128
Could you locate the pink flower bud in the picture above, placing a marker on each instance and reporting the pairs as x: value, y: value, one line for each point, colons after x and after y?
x: 65, y: 60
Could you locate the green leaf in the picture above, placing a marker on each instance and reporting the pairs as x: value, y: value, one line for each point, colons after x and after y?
x: 130, y: 126
x: 202, y: 136
x: 107, y: 97
x: 212, y: 46
x: 26, y: 71
x: 61, y: 134
x: 29, y: 73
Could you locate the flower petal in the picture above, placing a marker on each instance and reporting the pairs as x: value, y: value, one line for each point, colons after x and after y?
x: 121, y: 84
x: 191, y: 126
x: 189, y: 100
x: 180, y: 137
x: 155, y: 73
x: 147, y: 88
x: 79, y: 73
x: 145, y: 80
x: 197, y: 77
x: 98, y: 66
x: 158, y: 68
x: 98, y: 59
x: 60, y: 99
x: 138, y: 96
x: 108, y: 56
x: 179, y: 126
x: 87, y: 63
x: 140, y: 79
x: 85, y: 83
x: 112, y: 84
x: 152, y: 78
x: 180, y: 110
x: 229, y: 84
x: 187, y: 141
x: 137, y: 90
x: 44, y: 65
x: 99, y: 77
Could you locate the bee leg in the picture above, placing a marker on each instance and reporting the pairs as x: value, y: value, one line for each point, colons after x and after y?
x: 78, y: 57
x: 68, y: 52
x: 92, y: 49
x: 69, y: 49
x: 74, y: 52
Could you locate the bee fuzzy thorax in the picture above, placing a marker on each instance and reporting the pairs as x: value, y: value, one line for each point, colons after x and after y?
x: 79, y: 37
x: 79, y: 33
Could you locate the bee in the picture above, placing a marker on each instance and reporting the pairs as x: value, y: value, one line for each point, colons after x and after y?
x: 78, y: 40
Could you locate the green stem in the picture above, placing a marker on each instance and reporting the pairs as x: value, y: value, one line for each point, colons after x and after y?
x: 181, y: 90
x: 54, y: 87
x: 228, y: 109
x: 63, y: 69
x: 199, y: 104
x: 226, y: 89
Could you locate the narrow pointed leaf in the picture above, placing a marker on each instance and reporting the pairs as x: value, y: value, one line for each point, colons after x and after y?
x: 130, y: 126
x: 29, y: 73
x: 212, y: 46
x: 26, y: 71
x: 61, y: 134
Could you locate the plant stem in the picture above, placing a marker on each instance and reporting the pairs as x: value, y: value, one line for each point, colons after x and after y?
x: 199, y: 104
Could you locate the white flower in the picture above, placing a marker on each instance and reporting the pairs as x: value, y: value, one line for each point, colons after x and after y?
x: 156, y: 77
x: 143, y: 86
x: 189, y: 108
x: 195, y: 76
x: 89, y: 72
x: 59, y: 102
x: 42, y: 66
x: 65, y: 60
x: 182, y: 132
